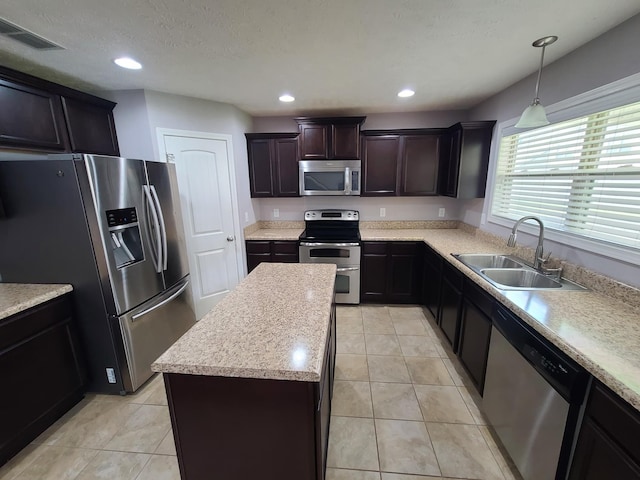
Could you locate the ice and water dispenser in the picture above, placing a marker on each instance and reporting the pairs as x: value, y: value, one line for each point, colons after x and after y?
x: 125, y: 236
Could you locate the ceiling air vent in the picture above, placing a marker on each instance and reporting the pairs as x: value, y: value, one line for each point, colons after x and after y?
x: 21, y: 35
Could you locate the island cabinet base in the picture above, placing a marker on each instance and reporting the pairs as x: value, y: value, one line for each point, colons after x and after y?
x: 242, y: 428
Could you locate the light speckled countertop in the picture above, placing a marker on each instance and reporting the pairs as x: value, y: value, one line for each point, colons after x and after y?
x: 601, y: 333
x: 17, y: 297
x: 275, y: 234
x: 273, y: 325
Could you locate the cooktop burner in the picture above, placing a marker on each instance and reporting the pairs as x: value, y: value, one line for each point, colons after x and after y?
x: 332, y: 226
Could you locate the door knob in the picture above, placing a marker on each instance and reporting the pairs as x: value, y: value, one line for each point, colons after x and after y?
x: 230, y: 238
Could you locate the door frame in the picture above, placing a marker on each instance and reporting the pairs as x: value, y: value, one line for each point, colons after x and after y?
x: 238, y: 232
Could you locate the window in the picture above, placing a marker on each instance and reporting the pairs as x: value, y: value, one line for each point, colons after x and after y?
x: 580, y: 176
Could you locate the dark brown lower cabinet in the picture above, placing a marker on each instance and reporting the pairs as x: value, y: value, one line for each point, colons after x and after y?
x: 608, y: 444
x: 41, y: 371
x: 391, y: 272
x: 450, y: 304
x: 475, y: 332
x: 282, y: 251
x: 245, y: 428
x: 431, y: 280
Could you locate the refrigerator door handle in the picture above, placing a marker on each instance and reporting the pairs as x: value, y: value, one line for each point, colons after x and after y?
x: 163, y: 230
x: 164, y: 302
x: 156, y: 252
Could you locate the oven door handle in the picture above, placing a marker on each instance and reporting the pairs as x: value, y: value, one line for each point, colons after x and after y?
x: 324, y: 244
x: 348, y: 269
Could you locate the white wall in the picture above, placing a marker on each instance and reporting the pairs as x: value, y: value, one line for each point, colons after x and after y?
x: 397, y: 208
x: 610, y: 57
x: 140, y: 112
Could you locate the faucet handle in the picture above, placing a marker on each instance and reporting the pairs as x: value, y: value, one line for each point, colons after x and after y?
x: 544, y: 259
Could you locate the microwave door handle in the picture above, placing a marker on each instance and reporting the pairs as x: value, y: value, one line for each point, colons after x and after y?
x: 347, y: 269
x: 163, y: 229
x: 155, y: 252
x: 347, y: 180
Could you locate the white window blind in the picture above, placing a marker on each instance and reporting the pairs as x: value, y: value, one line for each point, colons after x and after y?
x: 581, y: 176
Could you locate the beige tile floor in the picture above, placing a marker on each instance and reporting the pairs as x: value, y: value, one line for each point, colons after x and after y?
x: 403, y: 409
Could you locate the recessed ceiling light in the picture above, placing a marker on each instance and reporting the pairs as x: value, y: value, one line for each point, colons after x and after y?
x: 126, y: 62
x: 406, y: 93
x: 286, y: 98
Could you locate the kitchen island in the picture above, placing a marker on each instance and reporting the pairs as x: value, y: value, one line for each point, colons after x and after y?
x: 249, y: 386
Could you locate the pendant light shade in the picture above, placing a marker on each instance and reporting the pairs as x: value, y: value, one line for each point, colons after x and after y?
x: 534, y: 115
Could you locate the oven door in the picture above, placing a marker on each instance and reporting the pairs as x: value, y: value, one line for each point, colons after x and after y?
x: 346, y: 256
x: 348, y: 285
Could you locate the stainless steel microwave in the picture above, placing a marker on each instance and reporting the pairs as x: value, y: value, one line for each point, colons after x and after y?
x: 330, y: 177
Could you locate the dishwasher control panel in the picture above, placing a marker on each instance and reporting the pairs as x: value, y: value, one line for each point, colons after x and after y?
x: 562, y: 372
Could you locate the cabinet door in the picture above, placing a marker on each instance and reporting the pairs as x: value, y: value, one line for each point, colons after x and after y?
x: 431, y: 281
x: 475, y: 334
x: 419, y: 165
x: 345, y: 142
x: 449, y: 164
x: 597, y: 457
x: 260, y: 168
x: 91, y: 127
x: 285, y: 151
x: 449, y: 311
x: 31, y: 118
x: 404, y: 278
x: 258, y: 251
x: 380, y: 165
x: 314, y: 141
x: 373, y: 284
x: 42, y: 376
x: 284, y: 251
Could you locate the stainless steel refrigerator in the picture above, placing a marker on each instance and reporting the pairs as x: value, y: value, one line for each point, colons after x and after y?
x: 112, y: 228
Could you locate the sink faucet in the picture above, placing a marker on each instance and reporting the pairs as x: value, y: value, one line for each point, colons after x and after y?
x: 539, y: 259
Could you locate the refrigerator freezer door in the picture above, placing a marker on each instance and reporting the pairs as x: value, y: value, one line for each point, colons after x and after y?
x: 164, y: 187
x: 152, y: 328
x: 117, y: 185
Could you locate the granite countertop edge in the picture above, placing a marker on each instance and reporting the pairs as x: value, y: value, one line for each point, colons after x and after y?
x: 262, y: 329
x: 18, y: 297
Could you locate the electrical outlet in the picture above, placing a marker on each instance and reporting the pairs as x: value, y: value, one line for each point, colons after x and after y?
x: 246, y: 217
x: 441, y: 212
x: 276, y: 212
x: 383, y: 212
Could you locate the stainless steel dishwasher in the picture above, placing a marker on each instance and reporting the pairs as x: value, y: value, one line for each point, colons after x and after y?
x: 533, y: 396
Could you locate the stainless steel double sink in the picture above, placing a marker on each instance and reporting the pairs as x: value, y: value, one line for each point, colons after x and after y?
x: 508, y: 272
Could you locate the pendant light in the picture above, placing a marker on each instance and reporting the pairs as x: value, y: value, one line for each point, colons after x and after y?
x: 534, y: 115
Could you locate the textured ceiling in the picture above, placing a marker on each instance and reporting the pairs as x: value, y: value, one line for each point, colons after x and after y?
x: 338, y: 56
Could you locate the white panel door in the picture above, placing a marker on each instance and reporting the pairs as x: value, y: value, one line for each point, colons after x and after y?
x: 204, y: 181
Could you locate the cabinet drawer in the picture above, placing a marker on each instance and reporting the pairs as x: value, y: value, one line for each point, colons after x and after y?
x: 405, y: 248
x: 452, y: 274
x: 21, y: 326
x: 478, y: 297
x: 288, y: 247
x: 257, y: 246
x: 616, y: 418
x: 374, y: 247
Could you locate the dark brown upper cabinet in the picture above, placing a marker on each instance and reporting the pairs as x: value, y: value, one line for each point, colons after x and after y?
x: 464, y: 160
x: 91, y: 126
x: 326, y: 138
x: 43, y: 116
x: 31, y: 118
x: 400, y: 162
x: 273, y: 164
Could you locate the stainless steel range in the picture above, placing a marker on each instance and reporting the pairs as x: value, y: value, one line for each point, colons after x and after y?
x: 333, y: 236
